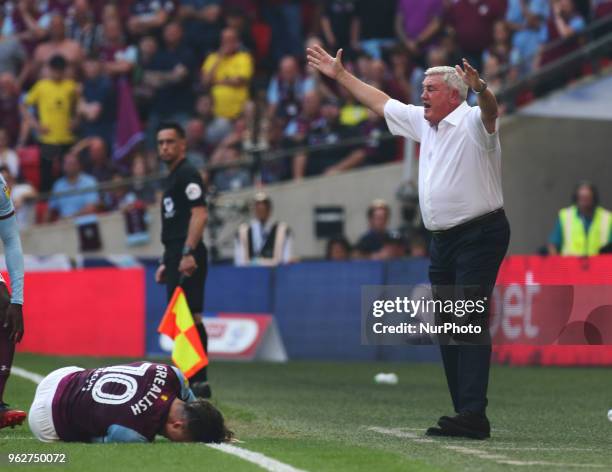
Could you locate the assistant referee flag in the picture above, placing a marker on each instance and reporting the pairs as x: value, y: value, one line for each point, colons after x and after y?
x: 188, y: 354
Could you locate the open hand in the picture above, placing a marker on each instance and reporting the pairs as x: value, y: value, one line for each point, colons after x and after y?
x: 323, y: 62
x: 470, y: 76
x: 13, y: 321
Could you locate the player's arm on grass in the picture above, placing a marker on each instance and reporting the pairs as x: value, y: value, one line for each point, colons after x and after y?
x: 120, y: 434
x: 9, y: 233
x: 332, y: 67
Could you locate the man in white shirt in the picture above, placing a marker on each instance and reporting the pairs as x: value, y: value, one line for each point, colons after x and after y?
x: 263, y: 241
x: 461, y: 203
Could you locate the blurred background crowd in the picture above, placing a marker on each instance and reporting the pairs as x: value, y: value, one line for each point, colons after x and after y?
x: 84, y: 84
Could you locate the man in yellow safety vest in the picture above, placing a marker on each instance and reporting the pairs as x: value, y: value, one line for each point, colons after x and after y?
x: 583, y: 228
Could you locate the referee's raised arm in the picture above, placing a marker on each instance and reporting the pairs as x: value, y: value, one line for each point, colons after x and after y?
x: 332, y: 67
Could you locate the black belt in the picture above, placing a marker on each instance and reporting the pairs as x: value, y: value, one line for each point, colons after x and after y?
x: 471, y: 223
x: 8, y: 215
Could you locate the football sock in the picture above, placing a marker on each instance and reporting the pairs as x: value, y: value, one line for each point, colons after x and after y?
x: 7, y: 351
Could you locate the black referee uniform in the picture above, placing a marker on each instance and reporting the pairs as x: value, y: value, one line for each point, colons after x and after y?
x: 184, y: 190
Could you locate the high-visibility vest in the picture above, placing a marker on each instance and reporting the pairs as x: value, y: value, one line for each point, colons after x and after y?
x: 576, y: 241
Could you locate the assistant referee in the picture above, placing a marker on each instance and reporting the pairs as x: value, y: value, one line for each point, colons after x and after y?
x: 183, y: 216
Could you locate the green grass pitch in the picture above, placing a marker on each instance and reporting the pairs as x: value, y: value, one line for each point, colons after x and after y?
x: 324, y: 416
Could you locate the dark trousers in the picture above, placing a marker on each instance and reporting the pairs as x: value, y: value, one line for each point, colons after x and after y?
x: 51, y: 158
x: 193, y: 287
x: 464, y: 265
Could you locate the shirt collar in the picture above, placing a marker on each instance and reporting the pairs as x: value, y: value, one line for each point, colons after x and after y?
x: 455, y: 117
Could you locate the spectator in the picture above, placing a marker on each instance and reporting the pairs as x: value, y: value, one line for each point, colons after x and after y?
x: 10, y: 117
x: 142, y: 189
x: 436, y: 56
x: 527, y: 20
x: 583, y: 228
x: 380, y: 147
x: 278, y: 169
x: 287, y: 89
x: 334, y: 156
x: 601, y: 8
x: 27, y: 23
x: 237, y: 19
x: 394, y: 247
x: 23, y: 195
x: 81, y: 27
x: 370, y: 244
x: 417, y: 246
x: 338, y: 249
x: 232, y: 175
x: 297, y: 129
x: 195, y: 138
x: 285, y: 20
x: 73, y: 180
x: 97, y: 159
x: 339, y: 25
x: 169, y: 75
x: 118, y: 58
x: 8, y: 157
x: 149, y: 16
x: 58, y: 44
x: 401, y: 67
x: 228, y: 73
x: 562, y: 25
x: 202, y: 22
x: 55, y: 100
x: 12, y: 57
x: 417, y: 23
x: 97, y: 106
x: 375, y: 23
x: 352, y: 113
x: 263, y: 241
x: 471, y: 22
x: 217, y: 127
x: 502, y: 48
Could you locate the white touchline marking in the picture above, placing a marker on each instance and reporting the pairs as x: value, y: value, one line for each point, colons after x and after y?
x: 257, y: 458
x: 481, y: 454
x: 26, y: 374
x: 553, y: 464
x: 399, y: 433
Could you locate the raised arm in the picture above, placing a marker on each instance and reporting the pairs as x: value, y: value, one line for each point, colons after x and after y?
x: 332, y: 67
x: 486, y: 99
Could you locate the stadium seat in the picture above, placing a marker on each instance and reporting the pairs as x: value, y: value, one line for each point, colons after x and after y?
x: 262, y: 34
x: 29, y: 163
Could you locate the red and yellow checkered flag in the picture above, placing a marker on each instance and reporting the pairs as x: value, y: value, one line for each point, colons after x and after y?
x: 188, y: 354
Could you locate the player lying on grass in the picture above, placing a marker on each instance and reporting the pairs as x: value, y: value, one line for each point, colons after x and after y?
x: 123, y: 403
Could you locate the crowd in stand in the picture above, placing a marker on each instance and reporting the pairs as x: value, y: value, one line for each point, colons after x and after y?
x: 84, y: 83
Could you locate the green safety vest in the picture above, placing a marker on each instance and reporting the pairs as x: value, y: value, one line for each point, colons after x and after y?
x: 576, y: 242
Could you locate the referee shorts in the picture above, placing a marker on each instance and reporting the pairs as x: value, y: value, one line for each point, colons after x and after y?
x: 192, y: 286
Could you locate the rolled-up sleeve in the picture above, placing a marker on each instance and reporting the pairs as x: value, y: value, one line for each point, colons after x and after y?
x: 404, y: 120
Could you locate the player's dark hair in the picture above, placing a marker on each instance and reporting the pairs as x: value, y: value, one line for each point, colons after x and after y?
x: 171, y: 125
x: 205, y: 422
x: 58, y: 63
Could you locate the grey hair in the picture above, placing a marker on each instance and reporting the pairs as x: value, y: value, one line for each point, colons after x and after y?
x: 450, y: 78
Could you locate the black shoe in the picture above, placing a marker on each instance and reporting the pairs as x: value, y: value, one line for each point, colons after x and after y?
x: 467, y: 424
x: 201, y: 389
x: 437, y: 432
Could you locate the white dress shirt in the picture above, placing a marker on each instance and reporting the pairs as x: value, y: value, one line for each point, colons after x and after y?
x: 459, y: 163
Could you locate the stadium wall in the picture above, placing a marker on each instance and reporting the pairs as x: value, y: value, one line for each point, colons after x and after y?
x: 316, y: 306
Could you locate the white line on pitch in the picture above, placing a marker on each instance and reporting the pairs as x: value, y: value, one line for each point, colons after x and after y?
x: 470, y: 451
x: 257, y: 458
